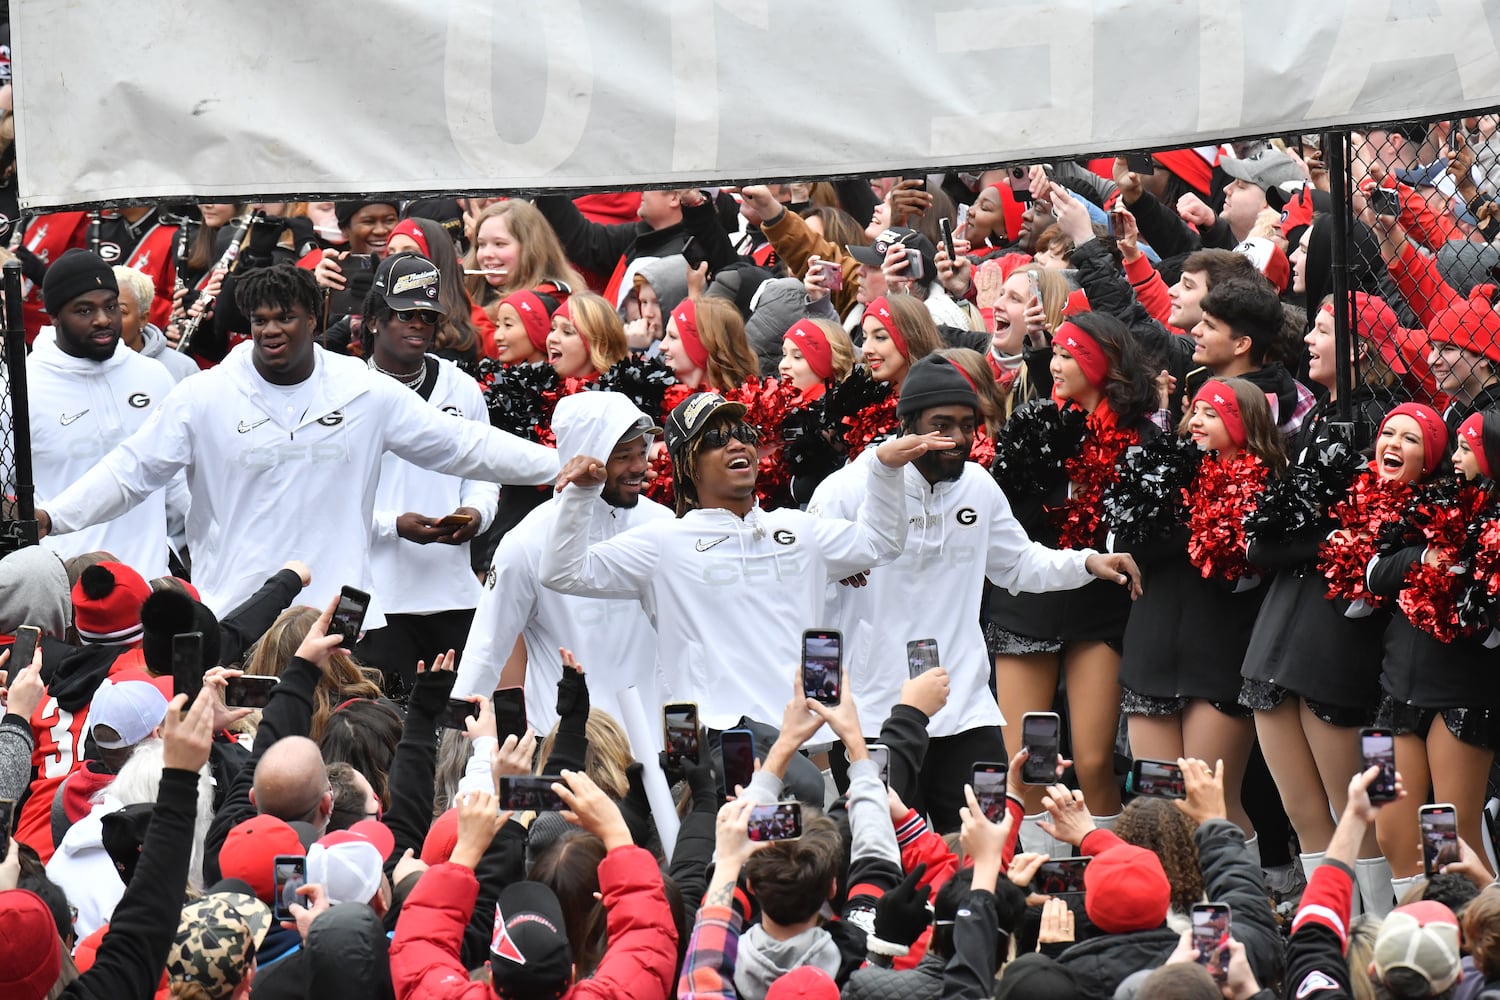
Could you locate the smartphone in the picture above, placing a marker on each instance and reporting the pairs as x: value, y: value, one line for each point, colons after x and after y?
x: 288, y: 873
x: 1378, y: 749
x: 1063, y: 877
x: 1140, y: 163
x: 359, y: 275
x: 1119, y: 221
x: 1439, y: 824
x: 1041, y: 735
x: 1035, y: 281
x: 24, y: 648
x: 881, y: 755
x: 510, y: 712
x: 679, y: 722
x: 947, y: 230
x: 453, y: 521
x: 349, y: 616
x: 1157, y: 777
x: 988, y: 782
x: 530, y: 793
x: 456, y: 711
x: 1211, y: 938
x: 782, y: 821
x: 833, y: 275
x: 1020, y: 183
x: 1312, y: 141
x: 822, y: 665
x: 921, y: 656
x: 738, y: 748
x: 914, y: 269
x: 187, y: 664
x: 1384, y: 201
x: 7, y: 814
x: 249, y: 691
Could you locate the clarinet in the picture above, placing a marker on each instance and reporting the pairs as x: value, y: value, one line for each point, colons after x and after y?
x: 180, y: 254
x: 96, y: 226
x: 238, y: 237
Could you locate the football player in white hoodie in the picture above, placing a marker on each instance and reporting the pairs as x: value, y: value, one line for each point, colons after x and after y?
x: 614, y: 638
x: 961, y: 531
x: 730, y: 587
x: 282, y: 446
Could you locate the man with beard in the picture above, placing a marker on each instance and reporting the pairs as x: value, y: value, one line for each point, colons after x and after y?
x: 961, y: 531
x: 729, y: 587
x: 612, y: 638
x: 89, y: 392
x: 419, y: 548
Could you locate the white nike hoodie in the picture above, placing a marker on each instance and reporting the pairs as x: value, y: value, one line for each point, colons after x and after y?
x: 730, y: 597
x: 80, y: 409
x: 268, y: 487
x: 959, y: 532
x: 612, y: 639
x: 421, y: 579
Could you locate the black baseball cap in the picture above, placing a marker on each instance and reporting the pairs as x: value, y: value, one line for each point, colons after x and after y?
x: 409, y: 281
x: 529, y: 953
x: 692, y: 416
x: 874, y: 254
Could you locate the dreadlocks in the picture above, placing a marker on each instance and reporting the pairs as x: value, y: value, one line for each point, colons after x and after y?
x: 281, y: 286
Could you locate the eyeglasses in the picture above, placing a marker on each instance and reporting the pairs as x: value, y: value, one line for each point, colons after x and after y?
x: 718, y: 437
x: 428, y: 316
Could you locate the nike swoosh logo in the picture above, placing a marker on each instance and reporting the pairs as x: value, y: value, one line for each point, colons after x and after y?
x: 245, y: 428
x: 67, y: 419
x: 703, y: 546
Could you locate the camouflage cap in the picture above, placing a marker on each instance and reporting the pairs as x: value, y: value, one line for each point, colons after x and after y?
x: 216, y: 937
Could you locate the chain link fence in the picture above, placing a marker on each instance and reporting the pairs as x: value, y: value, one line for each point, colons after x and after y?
x: 18, y: 527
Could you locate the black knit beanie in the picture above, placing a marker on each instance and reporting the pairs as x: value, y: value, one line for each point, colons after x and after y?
x: 935, y: 381
x: 75, y: 273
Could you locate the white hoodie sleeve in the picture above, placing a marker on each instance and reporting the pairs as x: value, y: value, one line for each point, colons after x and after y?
x: 505, y: 606
x: 620, y: 568
x: 429, y: 438
x: 480, y: 494
x: 877, y: 535
x: 1020, y: 565
x: 136, y: 468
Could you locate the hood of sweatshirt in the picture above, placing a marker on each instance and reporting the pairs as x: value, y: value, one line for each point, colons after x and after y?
x: 80, y: 674
x: 34, y: 591
x: 763, y: 959
x: 592, y: 423
x: 1274, y: 379
x: 153, y: 341
x: 46, y: 354
x: 667, y: 277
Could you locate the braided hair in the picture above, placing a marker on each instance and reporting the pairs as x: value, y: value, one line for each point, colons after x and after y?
x: 280, y: 285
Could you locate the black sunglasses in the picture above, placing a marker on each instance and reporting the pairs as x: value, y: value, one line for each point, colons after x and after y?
x: 718, y: 437
x: 429, y: 316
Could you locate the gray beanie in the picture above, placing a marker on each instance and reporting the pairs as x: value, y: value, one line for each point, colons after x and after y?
x: 1464, y: 264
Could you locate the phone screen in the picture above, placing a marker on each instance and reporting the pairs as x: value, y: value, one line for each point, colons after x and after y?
x: 1159, y: 778
x: 1378, y: 748
x: 881, y: 755
x: 738, y: 748
x: 921, y: 656
x: 349, y: 616
x: 782, y: 821
x: 1439, y: 837
x: 1063, y: 877
x: 249, y: 691
x: 988, y: 782
x: 24, y: 648
x: 1041, y: 736
x: 680, y: 727
x: 289, y: 873
x: 456, y: 711
x: 187, y: 664
x: 530, y: 793
x: 510, y: 712
x: 1211, y: 939
x: 822, y: 663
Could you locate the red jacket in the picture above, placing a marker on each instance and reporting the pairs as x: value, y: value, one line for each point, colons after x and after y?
x: 640, y: 963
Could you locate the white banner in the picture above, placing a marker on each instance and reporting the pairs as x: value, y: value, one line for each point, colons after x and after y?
x: 212, y: 100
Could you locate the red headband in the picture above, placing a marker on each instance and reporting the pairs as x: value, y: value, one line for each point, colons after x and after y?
x: 881, y: 310
x: 686, y: 318
x: 534, y: 318
x: 813, y: 343
x: 409, y: 227
x: 1227, y: 405
x: 1085, y: 350
x: 1434, y: 432
x: 1472, y: 431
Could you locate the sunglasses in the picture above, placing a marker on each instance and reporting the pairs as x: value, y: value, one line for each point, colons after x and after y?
x: 718, y: 437
x: 428, y: 316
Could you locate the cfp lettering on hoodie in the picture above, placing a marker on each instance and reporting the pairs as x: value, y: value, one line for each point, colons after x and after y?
x: 724, y: 565
x: 322, y: 441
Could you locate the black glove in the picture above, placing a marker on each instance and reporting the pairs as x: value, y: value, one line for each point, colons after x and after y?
x: 704, y: 784
x: 635, y: 807
x: 572, y: 701
x: 901, y: 915
x: 430, y: 691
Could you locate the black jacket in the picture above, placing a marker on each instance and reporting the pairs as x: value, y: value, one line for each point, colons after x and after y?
x: 345, y: 955
x: 597, y: 247
x: 144, y: 923
x: 925, y: 982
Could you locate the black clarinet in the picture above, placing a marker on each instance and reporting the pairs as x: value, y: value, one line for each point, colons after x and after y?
x: 238, y: 237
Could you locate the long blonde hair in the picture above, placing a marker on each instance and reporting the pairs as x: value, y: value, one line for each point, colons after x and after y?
x: 342, y: 677
x: 541, y: 257
x: 600, y: 327
x: 608, y: 755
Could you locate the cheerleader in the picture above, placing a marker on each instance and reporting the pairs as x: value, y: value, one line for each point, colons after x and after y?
x: 706, y: 347
x: 1311, y: 672
x: 1103, y: 395
x: 1186, y: 636
x: 1028, y: 308
x: 587, y: 338
x: 815, y: 352
x: 1440, y: 684
x: 898, y: 333
x: 523, y: 321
